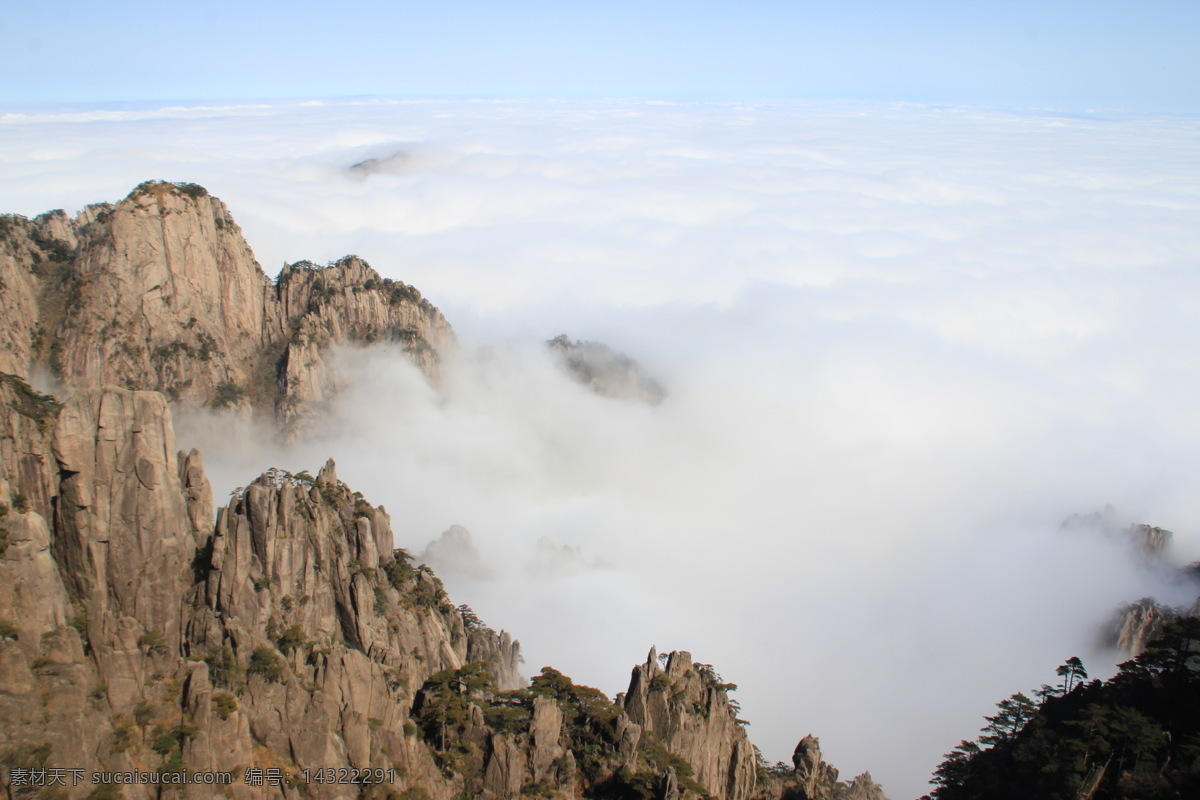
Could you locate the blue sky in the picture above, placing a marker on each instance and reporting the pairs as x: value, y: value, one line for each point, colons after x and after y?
x: 1018, y: 54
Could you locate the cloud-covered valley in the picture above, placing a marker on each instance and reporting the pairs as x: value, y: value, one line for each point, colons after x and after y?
x: 899, y: 345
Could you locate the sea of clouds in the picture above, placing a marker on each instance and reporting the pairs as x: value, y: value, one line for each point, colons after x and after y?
x: 900, y: 345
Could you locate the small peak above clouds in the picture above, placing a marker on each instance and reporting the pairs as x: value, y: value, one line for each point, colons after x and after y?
x: 552, y: 558
x: 1171, y: 591
x: 1151, y: 542
x: 395, y: 164
x: 455, y: 552
x: 605, y: 371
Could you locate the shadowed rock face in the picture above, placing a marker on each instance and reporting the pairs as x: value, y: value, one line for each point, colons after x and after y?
x: 1137, y: 624
x: 160, y: 291
x: 605, y: 371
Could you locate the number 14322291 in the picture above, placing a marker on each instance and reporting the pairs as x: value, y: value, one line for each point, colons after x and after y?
x: 347, y: 775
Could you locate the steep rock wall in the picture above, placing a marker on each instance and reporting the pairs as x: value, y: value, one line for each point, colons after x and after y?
x: 687, y: 708
x: 138, y: 634
x: 161, y: 291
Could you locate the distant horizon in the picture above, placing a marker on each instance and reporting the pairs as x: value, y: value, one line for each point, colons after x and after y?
x: 1067, y: 54
x: 217, y: 102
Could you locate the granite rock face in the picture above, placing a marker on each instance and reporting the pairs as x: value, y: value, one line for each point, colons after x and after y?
x: 282, y: 634
x: 1137, y: 624
x: 137, y: 632
x: 346, y: 302
x: 816, y: 778
x: 161, y: 291
x: 810, y: 778
x: 864, y: 788
x: 26, y: 445
x: 140, y: 632
x: 687, y: 708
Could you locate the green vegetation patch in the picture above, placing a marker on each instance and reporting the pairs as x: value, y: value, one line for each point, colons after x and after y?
x: 28, y: 402
x: 224, y: 704
x: 53, y: 250
x: 159, y: 188
x: 266, y: 663
x: 153, y: 642
x: 1133, y: 737
x: 223, y: 667
x: 227, y: 394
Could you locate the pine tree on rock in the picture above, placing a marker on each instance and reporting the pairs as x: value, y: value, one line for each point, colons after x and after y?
x: 1014, y: 713
x: 1072, y: 673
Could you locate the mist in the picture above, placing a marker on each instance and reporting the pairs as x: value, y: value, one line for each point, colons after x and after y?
x: 899, y: 344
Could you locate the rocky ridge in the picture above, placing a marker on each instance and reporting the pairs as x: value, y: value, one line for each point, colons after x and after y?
x: 688, y: 709
x: 139, y: 632
x: 283, y: 634
x: 161, y: 291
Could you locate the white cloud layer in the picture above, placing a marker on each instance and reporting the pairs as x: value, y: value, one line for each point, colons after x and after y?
x: 900, y: 345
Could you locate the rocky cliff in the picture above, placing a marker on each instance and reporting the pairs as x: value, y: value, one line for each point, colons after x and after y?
x: 160, y: 291
x: 1133, y: 626
x: 688, y: 709
x: 139, y: 632
x: 285, y: 636
x: 1136, y: 625
x: 810, y: 778
x: 281, y: 645
x: 605, y: 371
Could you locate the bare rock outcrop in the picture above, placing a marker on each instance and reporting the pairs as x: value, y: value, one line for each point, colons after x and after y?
x: 35, y: 258
x: 605, y: 371
x: 122, y: 529
x: 50, y: 691
x: 282, y: 635
x: 26, y: 456
x: 811, y: 778
x: 1149, y: 542
x: 546, y: 734
x: 160, y: 281
x: 1137, y: 624
x: 1133, y: 626
x: 687, y: 709
x: 138, y: 634
x: 500, y: 650
x: 864, y: 788
x: 345, y: 302
x: 287, y: 636
x: 33, y: 599
x: 817, y: 780
x: 161, y: 291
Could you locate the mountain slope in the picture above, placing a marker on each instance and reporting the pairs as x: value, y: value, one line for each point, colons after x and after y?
x: 1135, y: 736
x: 280, y: 643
